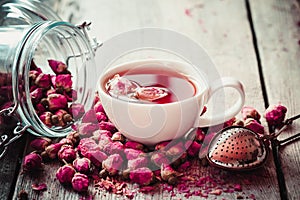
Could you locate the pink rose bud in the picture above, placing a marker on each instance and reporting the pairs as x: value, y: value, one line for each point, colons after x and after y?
x: 40, y: 108
x: 275, y: 115
x: 85, y: 145
x: 33, y: 74
x: 71, y: 95
x: 229, y: 122
x: 96, y: 157
x: 253, y: 125
x: 104, y: 134
x: 134, y: 145
x: 132, y: 154
x: 168, y: 174
x: 74, y: 136
x: 76, y: 110
x: 58, y: 67
x: 138, y: 163
x: 200, y: 135
x: 57, y: 118
x: 65, y: 174
x: 194, y: 149
x: 43, y: 81
x: 114, y: 148
x: 66, y: 153
x: 51, y: 91
x: 63, y: 82
x: 98, y: 107
x: 80, y: 182
x: 87, y: 129
x: 40, y: 143
x: 158, y: 159
x: 141, y: 176
x: 250, y: 112
x: 32, y: 162
x: 118, y: 136
x: 176, y: 149
x: 67, y: 141
x: 82, y: 165
x: 53, y: 149
x: 113, y: 164
x: 162, y: 145
x: 56, y: 101
x: 107, y: 126
x: 36, y: 95
x: 90, y: 117
x: 101, y: 116
x: 46, y: 118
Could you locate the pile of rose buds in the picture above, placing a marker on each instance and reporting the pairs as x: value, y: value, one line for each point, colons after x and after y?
x: 52, y: 95
x: 97, y: 151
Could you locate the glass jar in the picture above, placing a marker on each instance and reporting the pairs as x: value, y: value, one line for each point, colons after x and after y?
x: 29, y: 31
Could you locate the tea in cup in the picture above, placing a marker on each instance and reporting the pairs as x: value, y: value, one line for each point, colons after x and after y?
x: 155, y: 100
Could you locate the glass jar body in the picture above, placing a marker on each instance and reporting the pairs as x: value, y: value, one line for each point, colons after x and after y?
x: 28, y: 49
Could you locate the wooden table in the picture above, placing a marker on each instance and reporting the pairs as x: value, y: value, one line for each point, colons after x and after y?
x: 257, y: 42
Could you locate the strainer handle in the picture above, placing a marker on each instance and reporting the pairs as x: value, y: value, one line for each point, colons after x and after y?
x: 221, y: 115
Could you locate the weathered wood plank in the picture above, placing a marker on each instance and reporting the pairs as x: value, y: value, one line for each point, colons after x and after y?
x: 222, y: 27
x: 278, y: 34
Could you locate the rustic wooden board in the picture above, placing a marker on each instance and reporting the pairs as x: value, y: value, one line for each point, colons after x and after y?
x: 222, y: 27
x: 278, y: 33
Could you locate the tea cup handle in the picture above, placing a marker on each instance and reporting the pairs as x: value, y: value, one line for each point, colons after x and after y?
x: 223, y: 116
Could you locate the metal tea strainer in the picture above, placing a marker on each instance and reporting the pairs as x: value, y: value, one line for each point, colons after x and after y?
x: 239, y: 148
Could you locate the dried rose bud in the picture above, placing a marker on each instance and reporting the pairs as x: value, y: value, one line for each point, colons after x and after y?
x: 39, y: 187
x: 46, y: 118
x: 118, y: 136
x: 82, y: 165
x: 33, y: 74
x: 138, y: 163
x: 76, y: 110
x: 74, y: 136
x: 107, y: 126
x: 65, y: 174
x: 43, y: 81
x: 96, y: 157
x: 169, y: 174
x: 36, y: 95
x: 194, y: 149
x: 275, y: 115
x: 250, y: 112
x: 57, y: 118
x: 56, y: 101
x: 132, y: 153
x: 52, y: 150
x: 238, y: 122
x: 58, y: 67
x: 40, y: 108
x: 71, y: 95
x: 87, y: 129
x: 98, y: 107
x: 90, y: 117
x: 63, y: 82
x: 32, y: 162
x: 134, y: 145
x: 175, y: 150
x: 80, y: 182
x: 253, y: 125
x: 113, y: 164
x: 162, y: 145
x: 101, y: 133
x: 40, y: 143
x: 141, y: 176
x: 229, y: 122
x: 114, y: 148
x: 200, y: 135
x: 67, y: 141
x: 87, y: 144
x: 158, y: 159
x: 66, y: 153
x: 101, y: 116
